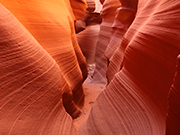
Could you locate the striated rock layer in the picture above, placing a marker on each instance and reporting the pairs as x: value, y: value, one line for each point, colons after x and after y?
x: 79, y: 7
x: 108, y: 14
x: 52, y: 24
x: 173, y: 119
x: 124, y: 17
x: 30, y: 84
x: 135, y: 101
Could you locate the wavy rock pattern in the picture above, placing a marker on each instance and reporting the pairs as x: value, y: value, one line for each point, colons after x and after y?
x: 30, y: 84
x: 87, y: 38
x: 78, y: 7
x: 135, y: 101
x: 108, y: 14
x: 124, y: 17
x: 173, y: 119
x: 52, y: 24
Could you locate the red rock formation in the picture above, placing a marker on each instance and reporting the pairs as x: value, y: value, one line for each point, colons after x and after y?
x: 78, y: 7
x: 30, y: 84
x: 108, y: 14
x: 87, y: 30
x: 135, y: 101
x: 52, y: 24
x: 124, y: 17
x: 173, y: 119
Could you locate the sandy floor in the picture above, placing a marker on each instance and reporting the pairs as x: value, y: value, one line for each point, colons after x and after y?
x: 91, y: 93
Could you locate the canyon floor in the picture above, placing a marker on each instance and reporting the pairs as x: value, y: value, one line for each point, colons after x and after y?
x: 91, y: 93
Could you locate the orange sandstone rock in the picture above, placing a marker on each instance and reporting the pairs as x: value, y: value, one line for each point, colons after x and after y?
x: 108, y: 14
x: 124, y: 17
x: 30, y: 84
x: 51, y: 23
x: 135, y: 101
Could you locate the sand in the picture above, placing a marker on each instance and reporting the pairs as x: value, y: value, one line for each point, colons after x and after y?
x: 91, y: 93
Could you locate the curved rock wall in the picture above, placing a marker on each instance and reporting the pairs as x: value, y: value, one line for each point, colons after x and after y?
x: 135, y: 101
x: 36, y: 76
x: 124, y: 17
x: 108, y: 14
x: 173, y: 117
x: 52, y: 24
x: 30, y: 84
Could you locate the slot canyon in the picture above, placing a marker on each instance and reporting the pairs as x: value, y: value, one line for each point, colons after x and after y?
x: 90, y: 67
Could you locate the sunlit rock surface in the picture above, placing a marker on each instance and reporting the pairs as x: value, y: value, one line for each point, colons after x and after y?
x: 30, y: 84
x: 39, y: 69
x: 51, y: 23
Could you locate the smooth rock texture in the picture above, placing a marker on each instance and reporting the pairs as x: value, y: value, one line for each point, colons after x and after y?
x: 30, y: 84
x: 51, y: 23
x: 79, y: 7
x: 135, y: 101
x: 42, y: 66
x: 87, y: 30
x: 173, y: 117
x: 88, y: 37
x: 108, y: 14
x: 124, y: 17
